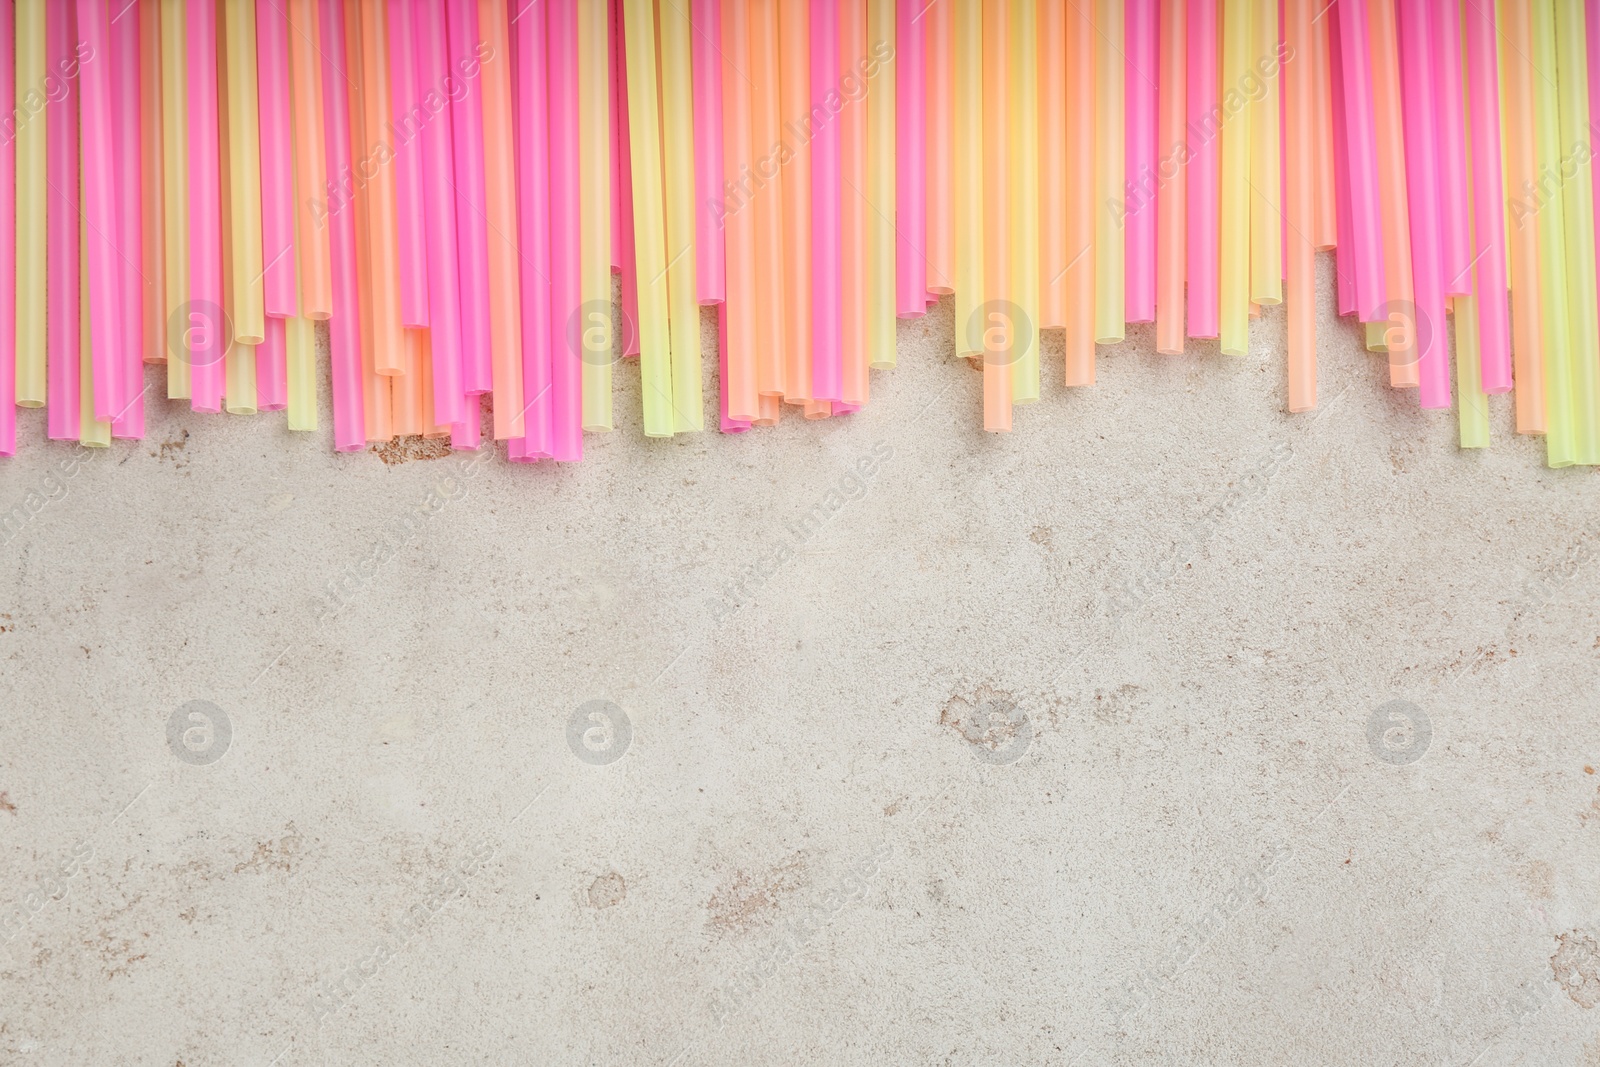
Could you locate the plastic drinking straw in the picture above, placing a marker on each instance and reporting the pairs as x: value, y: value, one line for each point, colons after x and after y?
x: 310, y: 164
x: 300, y: 342
x: 1578, y: 209
x: 827, y: 295
x: 277, y: 159
x: 472, y: 236
x: 1235, y: 215
x: 409, y: 114
x: 677, y: 148
x: 532, y: 116
x: 1397, y: 333
x: 649, y: 219
x: 734, y: 221
x: 994, y: 325
x: 1358, y: 150
x: 594, y: 72
x: 1110, y: 154
x: 1344, y: 257
x: 1326, y: 164
x: 1266, y: 175
x: 1053, y: 165
x: 127, y: 131
x: 61, y: 419
x: 8, y: 234
x: 505, y: 280
x: 100, y: 173
x: 725, y: 422
x: 1592, y: 73
x: 92, y: 432
x: 1143, y: 73
x: 436, y: 159
x: 1420, y: 102
x: 855, y: 387
x: 1024, y: 89
x: 374, y: 178
x: 1202, y: 237
x: 767, y: 178
x: 435, y: 429
x: 244, y: 195
x: 377, y: 395
x: 1171, y: 173
x: 1455, y: 262
x: 32, y: 193
x: 1472, y: 404
x: 938, y: 22
x: 1488, y: 251
x: 344, y: 325
x: 794, y: 92
x: 1516, y: 102
x: 1079, y: 276
x: 710, y: 255
x: 911, y: 161
x: 206, y: 323
x: 967, y: 174
x: 1299, y: 102
x: 272, y: 366
x: 239, y: 364
x: 175, y: 197
x: 406, y: 390
x: 622, y: 182
x: 567, y: 318
x: 151, y: 203
x: 882, y: 185
x: 1561, y: 443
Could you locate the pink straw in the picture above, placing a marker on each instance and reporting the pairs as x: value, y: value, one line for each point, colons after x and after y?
x: 827, y: 235
x: 127, y: 124
x: 344, y: 328
x: 61, y: 226
x: 1422, y: 193
x: 472, y: 232
x: 532, y: 113
x: 566, y: 252
x: 1201, y: 209
x: 1354, y: 73
x: 1455, y: 264
x: 711, y: 282
x: 624, y: 186
x: 611, y: 102
x: 439, y: 216
x: 100, y: 175
x: 208, y: 329
x: 911, y: 159
x: 1344, y: 249
x: 8, y: 235
x: 409, y: 117
x: 726, y: 422
x: 1143, y: 43
x: 272, y: 358
x: 1483, y: 81
x: 277, y: 163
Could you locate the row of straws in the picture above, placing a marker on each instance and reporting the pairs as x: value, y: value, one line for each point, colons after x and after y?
x: 451, y: 184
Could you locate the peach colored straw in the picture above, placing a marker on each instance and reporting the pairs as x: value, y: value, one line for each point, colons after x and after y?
x: 1080, y: 216
x: 736, y: 222
x: 505, y: 279
x: 1397, y: 334
x: 311, y: 174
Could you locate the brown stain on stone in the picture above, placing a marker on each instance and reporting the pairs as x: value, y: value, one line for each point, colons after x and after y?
x: 5, y: 803
x: 405, y: 449
x: 1538, y: 878
x: 746, y: 902
x: 270, y: 855
x: 607, y: 891
x: 1576, y: 967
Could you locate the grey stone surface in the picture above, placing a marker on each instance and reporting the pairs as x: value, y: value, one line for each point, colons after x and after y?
x: 1168, y: 729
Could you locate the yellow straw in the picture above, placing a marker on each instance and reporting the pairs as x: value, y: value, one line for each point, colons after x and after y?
x: 1577, y: 192
x: 967, y: 181
x: 1560, y: 440
x: 1266, y: 188
x: 1234, y: 220
x: 239, y: 366
x: 649, y: 223
x: 301, y: 339
x: 880, y: 188
x: 31, y: 185
x: 244, y: 168
x: 1473, y: 405
x: 1110, y: 65
x: 1025, y: 197
x: 175, y: 188
x: 594, y: 220
x: 677, y: 135
x: 91, y: 431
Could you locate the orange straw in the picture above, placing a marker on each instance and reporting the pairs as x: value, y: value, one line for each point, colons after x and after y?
x: 1327, y: 228
x: 1171, y: 188
x: 154, y: 215
x: 373, y: 166
x: 1053, y: 165
x: 735, y: 212
x: 1401, y: 297
x: 1079, y: 277
x: 406, y: 388
x: 310, y: 167
x: 500, y: 185
x: 766, y: 178
x: 1300, y: 76
x: 1517, y: 124
x: 996, y: 245
x: 376, y: 392
x: 855, y: 387
x: 795, y: 96
x: 939, y: 18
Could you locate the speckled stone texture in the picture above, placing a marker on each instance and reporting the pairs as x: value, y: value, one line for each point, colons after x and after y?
x: 1168, y: 729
